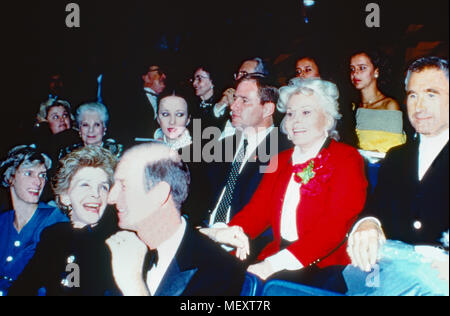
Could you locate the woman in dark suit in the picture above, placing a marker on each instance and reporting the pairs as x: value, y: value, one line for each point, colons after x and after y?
x: 312, y: 194
x: 72, y: 258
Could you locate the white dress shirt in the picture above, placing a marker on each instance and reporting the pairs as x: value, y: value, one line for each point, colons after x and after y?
x: 166, y: 253
x: 254, y: 141
x: 153, y: 99
x: 284, y: 259
x: 429, y: 149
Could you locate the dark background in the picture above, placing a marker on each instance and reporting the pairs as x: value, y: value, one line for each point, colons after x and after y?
x: 120, y: 38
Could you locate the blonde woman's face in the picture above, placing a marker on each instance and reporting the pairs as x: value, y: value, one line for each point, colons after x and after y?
x: 306, y: 122
x: 58, y: 119
x: 92, y: 128
x: 88, y: 196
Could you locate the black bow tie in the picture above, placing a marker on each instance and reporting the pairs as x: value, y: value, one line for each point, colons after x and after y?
x: 151, y: 258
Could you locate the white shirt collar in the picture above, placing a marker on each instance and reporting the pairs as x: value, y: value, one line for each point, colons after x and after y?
x: 429, y: 149
x: 147, y: 89
x: 298, y: 157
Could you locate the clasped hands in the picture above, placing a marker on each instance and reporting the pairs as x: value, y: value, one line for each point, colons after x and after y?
x: 234, y: 236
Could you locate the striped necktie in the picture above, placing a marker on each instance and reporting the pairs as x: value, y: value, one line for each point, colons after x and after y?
x: 222, y: 210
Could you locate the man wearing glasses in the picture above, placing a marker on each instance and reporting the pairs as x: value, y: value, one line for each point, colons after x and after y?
x: 248, y: 66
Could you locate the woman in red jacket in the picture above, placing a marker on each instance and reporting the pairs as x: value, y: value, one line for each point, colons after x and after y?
x: 314, y: 195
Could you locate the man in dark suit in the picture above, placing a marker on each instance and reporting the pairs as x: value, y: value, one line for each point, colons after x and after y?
x: 134, y: 106
x: 151, y: 183
x: 411, y: 201
x: 244, y: 156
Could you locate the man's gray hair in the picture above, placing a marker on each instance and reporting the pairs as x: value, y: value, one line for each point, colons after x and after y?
x: 261, y: 67
x: 326, y: 91
x: 426, y: 63
x: 93, y: 107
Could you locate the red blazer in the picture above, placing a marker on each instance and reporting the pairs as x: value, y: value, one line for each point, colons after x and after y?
x: 326, y: 211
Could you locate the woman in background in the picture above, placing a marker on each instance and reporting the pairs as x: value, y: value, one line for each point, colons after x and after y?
x: 379, y: 121
x: 92, y: 121
x: 173, y: 119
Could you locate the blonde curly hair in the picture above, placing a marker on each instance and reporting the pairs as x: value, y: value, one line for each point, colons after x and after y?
x: 88, y: 156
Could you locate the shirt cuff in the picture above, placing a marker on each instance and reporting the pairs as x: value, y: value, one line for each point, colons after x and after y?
x: 284, y: 260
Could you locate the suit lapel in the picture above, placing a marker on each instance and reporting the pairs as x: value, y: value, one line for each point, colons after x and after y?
x: 181, y: 270
x: 439, y: 164
x: 175, y: 281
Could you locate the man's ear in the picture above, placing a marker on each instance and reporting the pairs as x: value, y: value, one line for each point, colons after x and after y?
x: 269, y: 109
x: 161, y: 193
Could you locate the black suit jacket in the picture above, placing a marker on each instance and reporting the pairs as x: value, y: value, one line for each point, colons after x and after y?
x: 131, y: 114
x: 88, y: 250
x: 400, y: 199
x: 202, y: 268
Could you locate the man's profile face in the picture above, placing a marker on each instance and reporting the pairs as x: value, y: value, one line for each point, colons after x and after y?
x: 155, y: 79
x: 428, y: 102
x: 128, y: 194
x: 247, y: 110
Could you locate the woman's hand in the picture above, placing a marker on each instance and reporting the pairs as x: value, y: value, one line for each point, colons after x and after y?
x: 127, y: 260
x: 233, y: 236
x: 263, y: 270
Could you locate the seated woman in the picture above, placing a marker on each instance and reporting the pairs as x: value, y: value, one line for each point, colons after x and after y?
x: 312, y: 195
x: 306, y: 67
x: 72, y: 258
x: 379, y: 123
x: 173, y: 119
x: 24, y: 174
x: 205, y: 84
x: 92, y: 120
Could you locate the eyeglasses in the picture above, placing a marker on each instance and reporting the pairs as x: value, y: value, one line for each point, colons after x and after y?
x: 240, y: 74
x: 199, y: 78
x: 157, y: 69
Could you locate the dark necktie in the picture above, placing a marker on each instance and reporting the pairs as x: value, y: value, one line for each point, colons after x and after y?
x: 222, y: 210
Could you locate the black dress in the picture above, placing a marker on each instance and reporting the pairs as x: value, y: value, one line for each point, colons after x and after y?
x: 61, y: 245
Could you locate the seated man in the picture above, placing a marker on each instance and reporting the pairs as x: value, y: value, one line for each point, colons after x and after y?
x: 151, y: 184
x: 411, y: 201
x: 24, y: 172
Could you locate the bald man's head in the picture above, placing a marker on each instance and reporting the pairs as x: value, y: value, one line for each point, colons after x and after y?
x: 153, y: 163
